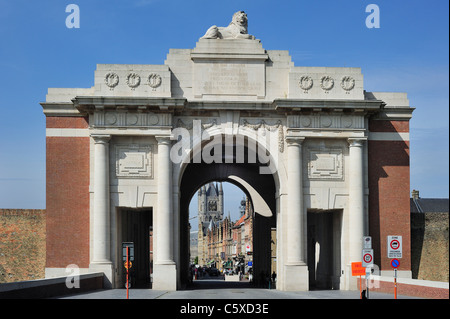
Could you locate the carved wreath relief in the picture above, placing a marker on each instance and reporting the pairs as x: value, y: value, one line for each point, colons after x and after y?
x: 306, y: 83
x: 326, y: 83
x: 133, y: 80
x: 348, y: 83
x: 154, y: 80
x: 111, y: 80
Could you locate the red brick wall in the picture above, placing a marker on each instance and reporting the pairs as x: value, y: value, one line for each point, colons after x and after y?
x: 405, y: 289
x: 66, y: 122
x: 67, y: 196
x: 388, y: 126
x: 389, y: 211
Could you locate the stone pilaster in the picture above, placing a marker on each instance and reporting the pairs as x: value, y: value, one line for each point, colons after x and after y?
x: 356, y: 197
x: 296, y: 269
x: 165, y: 267
x: 101, y: 250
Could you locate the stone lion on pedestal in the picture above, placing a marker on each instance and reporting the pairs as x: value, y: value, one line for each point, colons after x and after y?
x: 237, y: 29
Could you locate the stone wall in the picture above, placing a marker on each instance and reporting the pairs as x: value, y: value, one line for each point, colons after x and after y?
x: 22, y: 244
x: 430, y: 249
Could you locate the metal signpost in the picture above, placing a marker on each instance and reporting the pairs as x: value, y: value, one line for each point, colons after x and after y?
x: 395, y: 263
x: 128, y: 256
x: 367, y: 260
x: 358, y: 270
x: 394, y: 251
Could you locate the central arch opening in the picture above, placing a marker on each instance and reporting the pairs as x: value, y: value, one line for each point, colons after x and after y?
x: 221, y: 236
x: 259, y: 188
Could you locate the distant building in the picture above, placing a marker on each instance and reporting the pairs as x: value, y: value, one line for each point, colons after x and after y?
x: 193, y: 245
x: 429, y: 238
x: 227, y: 244
x: 242, y: 234
x: 428, y: 205
x: 210, y: 211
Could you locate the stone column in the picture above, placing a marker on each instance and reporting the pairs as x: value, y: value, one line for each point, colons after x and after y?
x: 101, y: 242
x: 164, y: 270
x: 356, y: 198
x: 101, y: 233
x: 296, y: 269
x: 164, y: 248
x: 295, y: 202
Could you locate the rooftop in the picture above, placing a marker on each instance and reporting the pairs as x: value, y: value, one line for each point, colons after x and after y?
x: 428, y: 205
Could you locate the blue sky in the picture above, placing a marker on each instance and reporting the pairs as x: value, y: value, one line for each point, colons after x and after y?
x: 408, y: 53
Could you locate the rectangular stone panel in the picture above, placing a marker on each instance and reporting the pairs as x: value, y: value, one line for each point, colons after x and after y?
x: 242, y: 78
x: 325, y: 164
x: 134, y: 161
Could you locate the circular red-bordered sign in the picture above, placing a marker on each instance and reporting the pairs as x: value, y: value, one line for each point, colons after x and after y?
x: 367, y: 258
x: 395, y: 244
x: 395, y: 263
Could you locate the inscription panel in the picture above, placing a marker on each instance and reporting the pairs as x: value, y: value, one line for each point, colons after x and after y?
x: 325, y: 164
x: 229, y: 79
x: 134, y: 161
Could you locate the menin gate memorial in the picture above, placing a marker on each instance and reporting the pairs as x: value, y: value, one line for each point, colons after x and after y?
x: 322, y: 160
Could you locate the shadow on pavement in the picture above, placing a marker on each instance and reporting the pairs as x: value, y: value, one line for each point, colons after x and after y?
x: 218, y: 283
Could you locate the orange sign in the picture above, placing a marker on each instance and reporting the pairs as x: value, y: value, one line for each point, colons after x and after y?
x: 127, y: 265
x: 358, y: 269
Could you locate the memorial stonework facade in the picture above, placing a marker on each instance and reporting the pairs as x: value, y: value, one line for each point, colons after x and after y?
x: 322, y: 160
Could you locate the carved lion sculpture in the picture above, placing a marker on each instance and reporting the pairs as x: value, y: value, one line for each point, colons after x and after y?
x: 237, y: 29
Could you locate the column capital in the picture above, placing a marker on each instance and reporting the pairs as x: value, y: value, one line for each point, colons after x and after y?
x: 294, y: 140
x: 163, y: 139
x: 101, y: 138
x: 356, y: 141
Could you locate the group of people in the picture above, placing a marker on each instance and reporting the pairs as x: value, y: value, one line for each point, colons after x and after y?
x: 199, y: 272
x: 265, y: 279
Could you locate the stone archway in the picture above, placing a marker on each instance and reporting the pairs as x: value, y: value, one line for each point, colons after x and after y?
x: 339, y: 147
x: 260, y: 188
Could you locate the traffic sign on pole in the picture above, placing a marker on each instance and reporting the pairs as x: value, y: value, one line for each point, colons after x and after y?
x: 367, y: 257
x: 395, y: 263
x: 367, y: 242
x: 394, y: 246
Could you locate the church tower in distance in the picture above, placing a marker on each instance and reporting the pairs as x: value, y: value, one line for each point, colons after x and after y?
x: 210, y: 212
